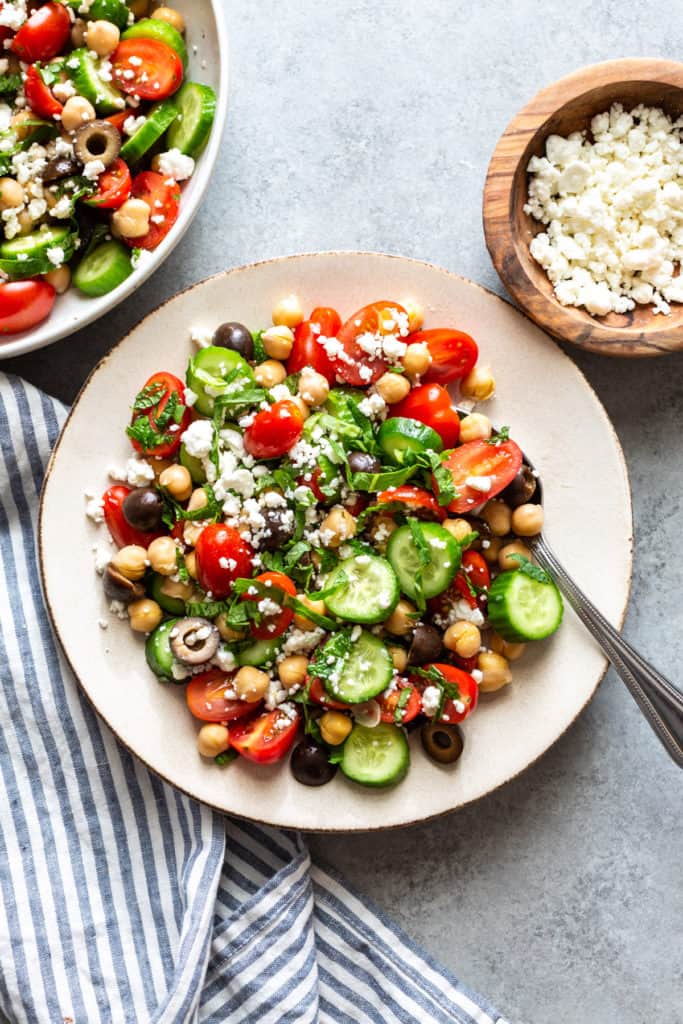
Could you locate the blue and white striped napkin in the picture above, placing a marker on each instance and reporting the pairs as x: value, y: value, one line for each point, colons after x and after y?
x: 122, y: 900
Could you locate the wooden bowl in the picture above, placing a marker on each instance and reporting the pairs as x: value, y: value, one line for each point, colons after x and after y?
x: 565, y: 107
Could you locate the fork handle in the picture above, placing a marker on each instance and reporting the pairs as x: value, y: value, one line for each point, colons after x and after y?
x: 659, y: 700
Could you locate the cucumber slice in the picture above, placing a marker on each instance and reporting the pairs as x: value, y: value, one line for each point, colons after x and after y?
x: 438, y: 574
x: 115, y: 11
x: 196, y: 106
x: 401, y: 439
x: 336, y: 402
x: 152, y: 28
x: 521, y: 608
x: 193, y: 465
x: 366, y: 672
x: 103, y: 269
x: 158, y: 651
x: 172, y: 605
x: 376, y: 757
x: 330, y: 481
x: 160, y: 117
x: 372, y: 591
x: 260, y: 652
x: 207, y: 372
x: 84, y: 72
x: 35, y: 245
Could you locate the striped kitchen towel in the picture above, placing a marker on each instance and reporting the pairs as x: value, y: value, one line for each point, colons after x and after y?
x: 122, y: 900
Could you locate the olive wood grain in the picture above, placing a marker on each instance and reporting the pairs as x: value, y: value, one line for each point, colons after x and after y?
x: 564, y: 107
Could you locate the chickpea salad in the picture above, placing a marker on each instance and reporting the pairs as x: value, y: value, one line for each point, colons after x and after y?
x: 319, y: 548
x: 98, y: 126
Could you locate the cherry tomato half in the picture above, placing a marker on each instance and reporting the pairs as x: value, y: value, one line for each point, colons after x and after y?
x: 39, y: 97
x: 498, y: 463
x: 206, y: 698
x: 265, y: 739
x: 274, y: 431
x: 120, y: 529
x: 453, y: 354
x: 44, y: 35
x: 319, y: 695
x: 477, y: 569
x: 162, y: 195
x: 307, y: 351
x: 23, y: 304
x: 455, y: 710
x: 462, y: 589
x: 146, y: 68
x: 161, y: 387
x: 414, y: 499
x: 355, y: 366
x: 327, y: 319
x: 273, y: 624
x: 223, y: 556
x: 409, y: 710
x: 113, y: 187
x: 431, y: 404
x: 118, y: 120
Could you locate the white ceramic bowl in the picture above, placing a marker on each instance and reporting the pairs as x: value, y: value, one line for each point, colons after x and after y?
x: 207, y: 32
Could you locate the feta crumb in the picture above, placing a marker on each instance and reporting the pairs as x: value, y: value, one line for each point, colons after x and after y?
x: 176, y: 165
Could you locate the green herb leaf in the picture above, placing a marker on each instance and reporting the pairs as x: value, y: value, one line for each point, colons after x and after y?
x: 320, y: 595
x: 149, y: 397
x: 10, y: 85
x: 502, y: 435
x: 448, y: 690
x: 260, y: 354
x: 381, y: 481
x: 329, y: 659
x: 468, y: 540
x: 529, y: 569
x: 403, y: 698
x: 181, y: 567
x: 147, y: 436
x: 445, y: 488
x: 336, y: 755
x: 226, y: 757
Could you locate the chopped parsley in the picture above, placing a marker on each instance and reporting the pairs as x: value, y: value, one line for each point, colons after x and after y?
x: 500, y: 436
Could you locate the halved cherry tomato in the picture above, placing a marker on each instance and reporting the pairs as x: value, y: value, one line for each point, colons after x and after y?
x: 274, y: 431
x: 44, y: 34
x: 466, y: 664
x: 327, y: 319
x: 113, y: 187
x: 162, y: 195
x: 120, y: 529
x: 23, y: 304
x: 453, y: 354
x: 314, y: 484
x: 354, y: 366
x: 358, y: 505
x: 431, y: 404
x: 307, y: 351
x: 414, y: 499
x: 319, y: 695
x: 223, y: 556
x: 118, y: 120
x: 265, y: 739
x: 272, y: 625
x: 469, y: 692
x: 207, y: 701
x: 39, y: 97
x: 409, y: 711
x: 498, y: 463
x: 462, y: 587
x: 162, y: 387
x: 146, y: 68
x: 477, y: 569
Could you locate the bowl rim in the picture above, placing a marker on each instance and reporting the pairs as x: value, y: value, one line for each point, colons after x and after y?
x: 503, y: 241
x: 94, y: 309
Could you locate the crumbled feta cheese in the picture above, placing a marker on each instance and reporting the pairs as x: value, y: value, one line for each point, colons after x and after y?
x: 94, y: 509
x: 118, y: 609
x: 479, y: 483
x: 55, y: 255
x: 133, y: 124
x: 198, y: 439
x: 93, y: 169
x: 176, y: 164
x: 431, y: 698
x: 202, y: 337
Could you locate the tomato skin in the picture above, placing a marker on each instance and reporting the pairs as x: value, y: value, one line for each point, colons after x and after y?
x: 152, y: 188
x: 319, y: 695
x: 173, y: 385
x: 477, y: 569
x: 39, y: 97
x: 500, y: 462
x: 23, y: 304
x: 307, y: 351
x: 327, y: 319
x: 414, y: 498
x: 161, y: 65
x: 453, y: 353
x: 120, y: 529
x: 410, y: 711
x: 207, y: 689
x: 265, y: 739
x: 215, y: 544
x: 273, y: 626
x: 469, y: 692
x: 44, y: 35
x: 366, y: 320
x: 118, y: 120
x: 463, y: 590
x: 113, y: 187
x: 431, y: 404
x: 274, y: 431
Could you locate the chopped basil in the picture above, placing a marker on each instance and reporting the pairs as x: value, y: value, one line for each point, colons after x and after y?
x: 380, y: 481
x: 529, y: 569
x: 149, y: 397
x: 403, y: 698
x: 181, y: 567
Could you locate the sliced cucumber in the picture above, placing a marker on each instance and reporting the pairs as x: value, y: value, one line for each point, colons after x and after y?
x: 193, y: 465
x: 115, y: 11
x: 153, y: 28
x: 103, y: 269
x: 160, y: 117
x: 158, y: 651
x: 196, y: 105
x: 172, y: 605
x: 437, y: 574
x: 521, y: 608
x: 401, y: 439
x: 366, y: 672
x: 207, y: 372
x: 371, y: 593
x: 35, y: 245
x: 376, y: 757
x: 83, y: 69
x: 260, y: 652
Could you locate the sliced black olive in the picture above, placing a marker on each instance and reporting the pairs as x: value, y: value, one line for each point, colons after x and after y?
x: 60, y: 167
x: 361, y: 462
x: 142, y: 509
x: 194, y: 640
x: 522, y: 488
x: 236, y: 337
x: 278, y: 530
x: 118, y: 588
x: 97, y: 140
x: 443, y: 742
x: 309, y: 764
x: 426, y: 646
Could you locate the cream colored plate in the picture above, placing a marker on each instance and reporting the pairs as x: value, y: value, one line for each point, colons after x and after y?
x: 554, y: 415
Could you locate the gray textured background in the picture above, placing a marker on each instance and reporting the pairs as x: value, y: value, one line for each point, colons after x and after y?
x: 358, y: 124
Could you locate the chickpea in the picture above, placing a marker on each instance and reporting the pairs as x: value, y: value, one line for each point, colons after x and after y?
x: 292, y: 671
x: 77, y: 111
x: 498, y: 516
x: 191, y: 533
x: 198, y: 499
x: 11, y: 194
x: 21, y: 123
x: 213, y: 739
x: 458, y: 528
x: 335, y: 726
x: 381, y: 530
x: 102, y: 37
x: 131, y: 561
x: 463, y: 638
x: 60, y: 279
x: 226, y: 631
x: 399, y: 658
x: 490, y: 549
x: 63, y: 91
x: 402, y: 620
x: 176, y: 480
x: 313, y: 387
x: 177, y: 589
x: 251, y: 684
x: 416, y: 314
x: 301, y: 406
x: 278, y: 342
x: 337, y: 526
x: 495, y: 671
x: 478, y: 384
x: 527, y: 520
x: 392, y: 387
x: 78, y: 33
x: 144, y: 615
x: 191, y: 565
x: 417, y: 360
x: 505, y: 560
x: 288, y: 312
x: 162, y: 556
x: 171, y: 17
x: 25, y: 221
x: 300, y: 620
x: 510, y: 651
x: 270, y: 373
x: 132, y: 219
x: 475, y: 427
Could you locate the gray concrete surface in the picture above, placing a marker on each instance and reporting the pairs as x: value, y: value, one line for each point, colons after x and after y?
x: 358, y: 124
